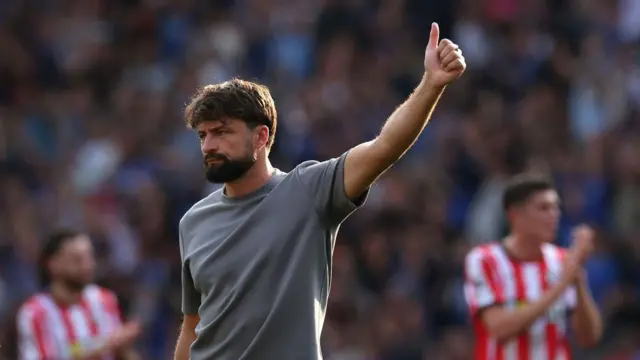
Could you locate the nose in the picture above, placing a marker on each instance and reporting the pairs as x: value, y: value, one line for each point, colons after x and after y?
x: 208, y: 145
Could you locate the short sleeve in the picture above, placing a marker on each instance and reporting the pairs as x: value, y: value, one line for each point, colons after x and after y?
x: 480, y: 288
x: 33, y: 342
x: 190, y: 296
x: 324, y: 181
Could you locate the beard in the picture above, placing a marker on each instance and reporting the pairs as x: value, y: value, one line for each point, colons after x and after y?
x: 73, y: 284
x: 227, y: 170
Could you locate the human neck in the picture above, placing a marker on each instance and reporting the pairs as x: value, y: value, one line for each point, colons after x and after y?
x: 523, y: 248
x: 61, y: 294
x: 254, y: 179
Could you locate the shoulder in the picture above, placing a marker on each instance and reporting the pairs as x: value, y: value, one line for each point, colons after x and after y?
x: 313, y: 169
x: 554, y: 253
x: 102, y: 299
x: 554, y: 248
x: 306, y: 167
x: 482, y: 252
x: 100, y: 294
x: 315, y: 165
x: 32, y: 304
x: 33, y: 307
x: 209, y: 200
x: 480, y: 259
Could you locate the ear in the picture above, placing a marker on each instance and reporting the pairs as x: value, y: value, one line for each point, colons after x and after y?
x: 261, y: 136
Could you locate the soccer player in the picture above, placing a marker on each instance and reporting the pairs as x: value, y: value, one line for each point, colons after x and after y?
x: 522, y: 290
x: 74, y: 319
x: 256, y: 255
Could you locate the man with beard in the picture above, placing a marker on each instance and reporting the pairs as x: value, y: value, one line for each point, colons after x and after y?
x: 256, y: 254
x: 73, y: 319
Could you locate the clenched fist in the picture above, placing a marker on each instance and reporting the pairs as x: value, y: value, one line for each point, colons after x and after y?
x: 443, y: 60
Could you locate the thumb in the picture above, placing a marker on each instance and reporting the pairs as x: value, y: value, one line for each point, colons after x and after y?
x: 434, y: 36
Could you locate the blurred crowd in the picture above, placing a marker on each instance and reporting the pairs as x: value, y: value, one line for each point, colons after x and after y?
x: 92, y: 137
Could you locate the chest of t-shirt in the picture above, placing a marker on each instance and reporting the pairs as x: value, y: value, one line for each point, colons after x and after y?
x: 254, y: 245
x: 76, y: 331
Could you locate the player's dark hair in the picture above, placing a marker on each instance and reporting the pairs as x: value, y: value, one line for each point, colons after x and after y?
x: 236, y: 99
x: 521, y: 187
x: 51, y: 247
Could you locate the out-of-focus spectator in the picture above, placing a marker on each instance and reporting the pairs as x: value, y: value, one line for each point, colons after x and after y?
x: 73, y: 318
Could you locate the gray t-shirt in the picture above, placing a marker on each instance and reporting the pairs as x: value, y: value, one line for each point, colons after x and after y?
x: 257, y: 268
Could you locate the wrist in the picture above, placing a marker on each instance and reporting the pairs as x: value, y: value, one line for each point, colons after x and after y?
x: 111, y: 343
x: 581, y: 280
x: 572, y: 268
x: 427, y: 83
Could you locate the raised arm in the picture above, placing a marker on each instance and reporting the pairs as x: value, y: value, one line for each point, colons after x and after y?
x: 364, y: 163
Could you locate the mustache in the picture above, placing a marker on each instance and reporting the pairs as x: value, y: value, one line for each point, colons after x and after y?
x: 211, y: 157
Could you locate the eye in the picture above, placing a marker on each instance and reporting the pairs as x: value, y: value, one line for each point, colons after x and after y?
x: 201, y: 136
x: 222, y: 132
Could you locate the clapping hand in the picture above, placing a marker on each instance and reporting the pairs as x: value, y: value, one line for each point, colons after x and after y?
x: 583, y: 243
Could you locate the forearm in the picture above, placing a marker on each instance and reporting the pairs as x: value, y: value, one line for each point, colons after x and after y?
x: 504, y: 324
x: 185, y: 339
x: 406, y: 123
x: 128, y: 354
x: 92, y: 354
x: 587, y: 322
x: 106, y: 348
x: 367, y: 161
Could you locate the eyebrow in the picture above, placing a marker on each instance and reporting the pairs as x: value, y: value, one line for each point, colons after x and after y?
x: 215, y: 128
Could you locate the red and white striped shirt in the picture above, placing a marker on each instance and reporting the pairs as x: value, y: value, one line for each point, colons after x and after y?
x: 48, y: 331
x: 493, y: 277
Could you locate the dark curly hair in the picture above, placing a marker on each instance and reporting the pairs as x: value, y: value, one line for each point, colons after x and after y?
x: 236, y: 99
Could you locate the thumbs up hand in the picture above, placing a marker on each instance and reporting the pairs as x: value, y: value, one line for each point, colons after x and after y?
x: 443, y: 60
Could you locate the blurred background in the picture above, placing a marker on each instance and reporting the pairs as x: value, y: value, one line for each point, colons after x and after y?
x: 91, y: 136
